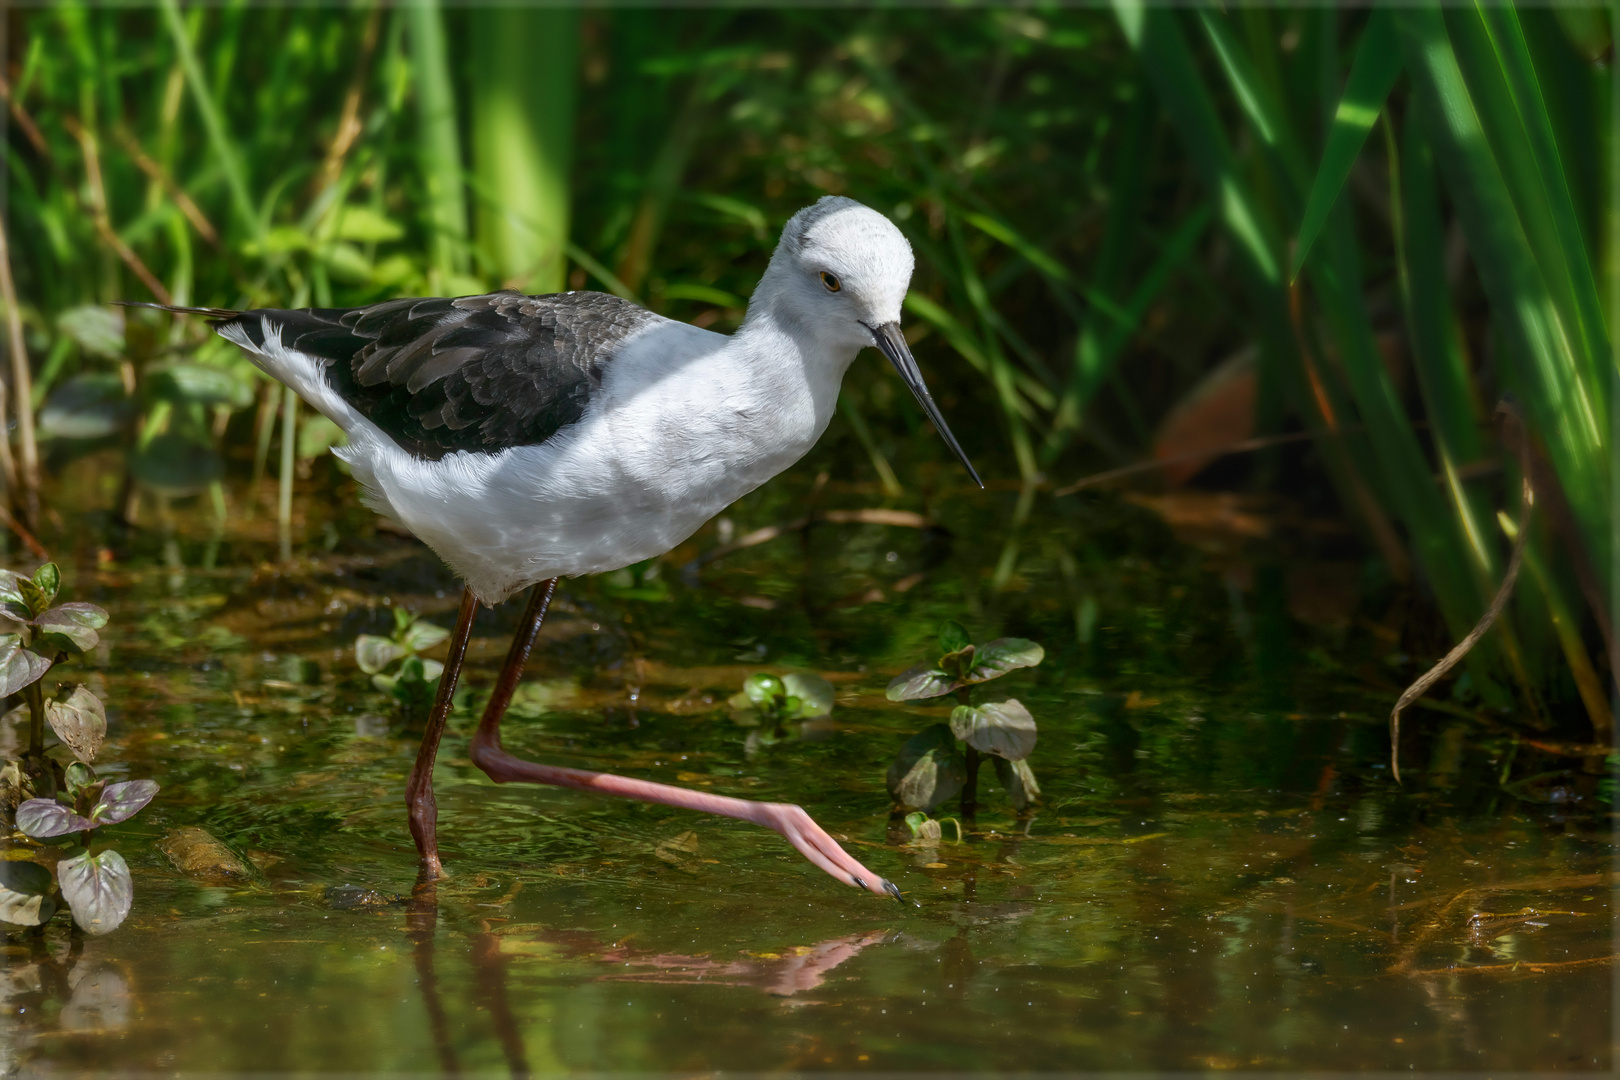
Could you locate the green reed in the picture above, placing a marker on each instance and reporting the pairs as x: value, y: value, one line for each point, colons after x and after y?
x: 1103, y: 204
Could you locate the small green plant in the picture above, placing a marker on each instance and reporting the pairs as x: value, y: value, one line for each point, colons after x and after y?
x: 927, y: 831
x: 395, y: 666
x: 929, y: 770
x: 768, y: 703
x: 55, y: 806
x: 767, y: 699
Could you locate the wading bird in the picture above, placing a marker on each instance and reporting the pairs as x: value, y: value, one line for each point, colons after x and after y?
x: 530, y: 438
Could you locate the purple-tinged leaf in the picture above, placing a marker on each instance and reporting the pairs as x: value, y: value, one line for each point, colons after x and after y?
x: 80, y: 722
x: 25, y: 893
x: 995, y: 658
x: 1018, y: 781
x: 44, y: 818
x: 928, y: 771
x: 120, y: 802
x: 922, y: 681
x: 1002, y: 728
x: 75, y: 624
x: 98, y: 890
x: 10, y: 587
x: 19, y: 667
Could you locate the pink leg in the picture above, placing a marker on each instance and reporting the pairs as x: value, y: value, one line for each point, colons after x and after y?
x: 791, y: 821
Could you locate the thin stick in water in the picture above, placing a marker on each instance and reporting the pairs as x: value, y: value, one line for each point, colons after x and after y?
x: 1513, y: 435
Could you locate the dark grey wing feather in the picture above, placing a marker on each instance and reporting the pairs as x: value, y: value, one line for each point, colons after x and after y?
x: 472, y: 373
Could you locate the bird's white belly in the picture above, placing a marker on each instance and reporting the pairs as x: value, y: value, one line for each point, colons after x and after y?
x: 635, y: 477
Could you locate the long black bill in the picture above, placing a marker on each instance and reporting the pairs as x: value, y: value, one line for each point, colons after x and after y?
x: 892, y: 343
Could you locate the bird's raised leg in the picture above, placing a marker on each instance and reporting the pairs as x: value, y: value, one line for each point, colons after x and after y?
x: 791, y: 821
x: 420, y: 806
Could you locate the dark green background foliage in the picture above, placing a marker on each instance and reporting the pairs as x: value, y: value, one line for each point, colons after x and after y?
x: 1106, y: 204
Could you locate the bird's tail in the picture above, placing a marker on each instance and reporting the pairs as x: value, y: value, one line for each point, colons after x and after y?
x: 206, y: 312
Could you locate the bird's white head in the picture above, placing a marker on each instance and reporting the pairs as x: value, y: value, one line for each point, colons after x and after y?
x: 840, y: 269
x: 838, y: 277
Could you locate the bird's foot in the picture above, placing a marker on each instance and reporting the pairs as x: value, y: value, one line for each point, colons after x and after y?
x: 812, y: 841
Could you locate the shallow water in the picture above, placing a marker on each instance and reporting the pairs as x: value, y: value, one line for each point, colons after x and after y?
x: 1221, y: 875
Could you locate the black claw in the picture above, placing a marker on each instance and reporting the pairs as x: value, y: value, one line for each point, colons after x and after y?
x: 857, y: 881
x: 893, y: 890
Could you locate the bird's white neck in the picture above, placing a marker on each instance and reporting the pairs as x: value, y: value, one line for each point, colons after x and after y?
x: 774, y: 336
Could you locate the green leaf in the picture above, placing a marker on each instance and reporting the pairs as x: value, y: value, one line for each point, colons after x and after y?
x: 89, y: 406
x: 203, y: 384
x: 364, y: 225
x: 421, y: 636
x: 922, y: 826
x: 928, y: 771
x: 815, y: 695
x: 120, y: 802
x: 48, y: 580
x: 80, y: 722
x: 1372, y: 75
x: 385, y: 683
x: 19, y: 667
x: 765, y: 691
x: 922, y: 681
x: 78, y: 776
x: 1018, y: 781
x: 1002, y: 728
x: 996, y: 658
x: 98, y: 890
x: 25, y: 893
x: 953, y: 637
x: 431, y: 670
x: 45, y: 818
x: 177, y: 465
x: 73, y: 627
x: 374, y: 653
x: 95, y: 328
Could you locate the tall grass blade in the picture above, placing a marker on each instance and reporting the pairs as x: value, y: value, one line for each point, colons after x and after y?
x: 525, y: 66
x: 1567, y: 410
x: 225, y: 153
x: 1372, y: 76
x: 438, y: 151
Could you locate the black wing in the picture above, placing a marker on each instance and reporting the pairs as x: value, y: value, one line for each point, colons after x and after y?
x: 472, y: 373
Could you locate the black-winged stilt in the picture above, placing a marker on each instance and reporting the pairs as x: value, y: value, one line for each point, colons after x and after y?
x: 529, y: 438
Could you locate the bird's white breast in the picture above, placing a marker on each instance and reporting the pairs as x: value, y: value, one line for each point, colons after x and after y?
x: 685, y: 423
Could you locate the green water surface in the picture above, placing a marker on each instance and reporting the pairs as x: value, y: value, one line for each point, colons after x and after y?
x: 1222, y: 874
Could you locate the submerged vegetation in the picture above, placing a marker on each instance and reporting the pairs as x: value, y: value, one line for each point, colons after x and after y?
x: 1147, y: 238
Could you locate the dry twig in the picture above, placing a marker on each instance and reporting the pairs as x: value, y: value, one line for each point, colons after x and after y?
x: 1513, y: 434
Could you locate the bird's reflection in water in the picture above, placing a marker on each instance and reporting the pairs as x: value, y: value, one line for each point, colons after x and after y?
x: 805, y: 968
x: 793, y: 972
x: 421, y: 923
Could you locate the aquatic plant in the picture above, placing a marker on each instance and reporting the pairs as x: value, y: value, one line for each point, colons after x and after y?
x: 928, y: 831
x: 47, y: 803
x: 929, y: 770
x: 395, y: 666
x: 768, y: 699
x: 769, y: 703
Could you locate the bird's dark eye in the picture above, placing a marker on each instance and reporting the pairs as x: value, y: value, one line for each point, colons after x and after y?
x: 830, y: 281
